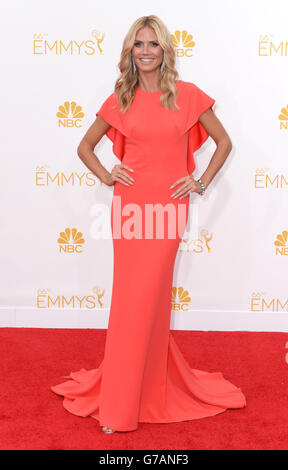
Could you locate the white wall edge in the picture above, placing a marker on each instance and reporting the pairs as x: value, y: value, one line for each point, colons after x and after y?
x: 191, y: 320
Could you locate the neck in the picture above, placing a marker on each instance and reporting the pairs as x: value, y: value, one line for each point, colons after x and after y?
x: 149, y: 82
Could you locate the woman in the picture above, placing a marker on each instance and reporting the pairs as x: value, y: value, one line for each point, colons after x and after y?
x: 155, y: 123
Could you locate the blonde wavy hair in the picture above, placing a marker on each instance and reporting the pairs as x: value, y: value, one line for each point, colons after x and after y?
x: 126, y: 84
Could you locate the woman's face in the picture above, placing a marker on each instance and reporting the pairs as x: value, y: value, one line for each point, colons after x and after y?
x: 146, y: 46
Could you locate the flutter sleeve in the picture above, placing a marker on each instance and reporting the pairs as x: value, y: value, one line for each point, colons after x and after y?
x: 110, y: 112
x: 198, y: 102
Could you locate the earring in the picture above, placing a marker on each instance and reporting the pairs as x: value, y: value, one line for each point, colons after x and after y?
x: 162, y: 68
x: 133, y: 64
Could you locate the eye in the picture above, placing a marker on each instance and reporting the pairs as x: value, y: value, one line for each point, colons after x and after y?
x: 153, y: 43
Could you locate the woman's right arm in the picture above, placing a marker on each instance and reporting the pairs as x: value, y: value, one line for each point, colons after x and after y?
x: 85, y: 150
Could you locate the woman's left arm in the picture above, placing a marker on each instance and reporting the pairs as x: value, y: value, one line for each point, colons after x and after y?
x: 224, y: 145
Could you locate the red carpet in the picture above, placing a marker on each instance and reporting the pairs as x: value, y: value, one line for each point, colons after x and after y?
x: 32, y: 416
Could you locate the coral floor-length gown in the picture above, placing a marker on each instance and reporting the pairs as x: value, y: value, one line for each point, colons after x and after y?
x: 143, y: 376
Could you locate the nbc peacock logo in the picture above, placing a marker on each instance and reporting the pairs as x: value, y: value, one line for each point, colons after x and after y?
x: 281, y: 243
x: 71, y: 241
x: 183, y: 43
x: 70, y: 114
x: 180, y: 299
x: 283, y: 118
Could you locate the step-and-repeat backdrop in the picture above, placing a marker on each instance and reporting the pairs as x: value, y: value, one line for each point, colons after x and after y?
x: 59, y: 64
